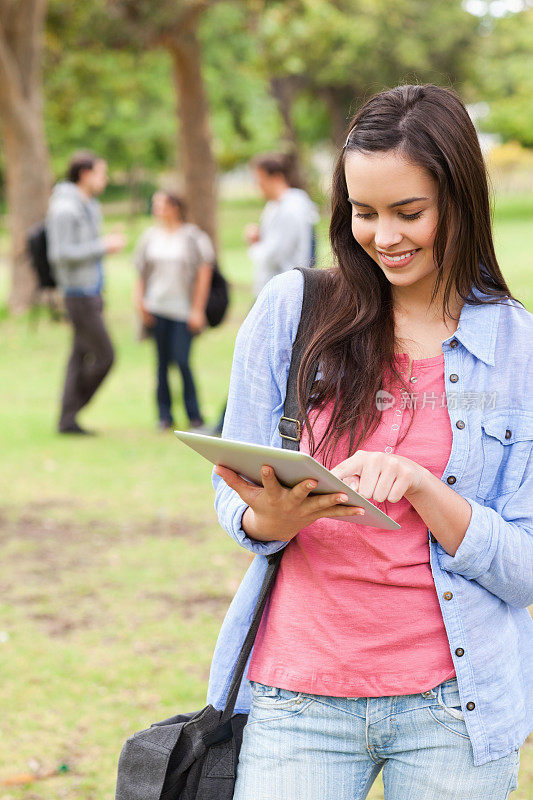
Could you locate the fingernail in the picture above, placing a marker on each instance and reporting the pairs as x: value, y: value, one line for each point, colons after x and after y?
x: 311, y: 485
x: 360, y: 511
x: 265, y: 471
x: 342, y: 498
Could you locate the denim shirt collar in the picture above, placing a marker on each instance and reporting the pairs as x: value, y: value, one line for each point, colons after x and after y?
x: 478, y: 327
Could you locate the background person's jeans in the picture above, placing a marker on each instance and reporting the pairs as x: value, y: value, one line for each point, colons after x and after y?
x: 173, y: 341
x: 311, y: 747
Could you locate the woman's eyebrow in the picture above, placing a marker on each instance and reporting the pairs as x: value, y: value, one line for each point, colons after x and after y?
x: 392, y: 205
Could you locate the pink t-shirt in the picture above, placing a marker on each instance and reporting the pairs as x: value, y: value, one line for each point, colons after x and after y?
x: 354, y: 610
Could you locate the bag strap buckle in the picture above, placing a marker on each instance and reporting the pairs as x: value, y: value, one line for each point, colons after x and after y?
x: 291, y: 422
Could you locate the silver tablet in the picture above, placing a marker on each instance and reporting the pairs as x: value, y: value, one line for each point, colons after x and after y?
x: 291, y: 467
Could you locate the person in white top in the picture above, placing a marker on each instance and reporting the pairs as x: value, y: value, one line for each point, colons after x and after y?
x: 175, y: 262
x: 284, y: 237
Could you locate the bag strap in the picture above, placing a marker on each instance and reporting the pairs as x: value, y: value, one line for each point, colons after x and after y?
x: 290, y: 424
x: 290, y: 441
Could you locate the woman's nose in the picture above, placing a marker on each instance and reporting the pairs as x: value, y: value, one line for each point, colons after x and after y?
x: 387, y: 236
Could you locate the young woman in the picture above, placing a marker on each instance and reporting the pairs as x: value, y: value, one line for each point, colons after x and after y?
x: 175, y: 263
x: 407, y: 651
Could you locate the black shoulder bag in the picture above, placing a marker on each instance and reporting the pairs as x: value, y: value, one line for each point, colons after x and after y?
x: 194, y: 756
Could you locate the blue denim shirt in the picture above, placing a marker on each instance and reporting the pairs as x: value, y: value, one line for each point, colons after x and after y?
x: 488, y: 367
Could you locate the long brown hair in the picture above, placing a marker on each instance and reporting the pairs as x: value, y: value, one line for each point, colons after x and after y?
x: 353, y: 338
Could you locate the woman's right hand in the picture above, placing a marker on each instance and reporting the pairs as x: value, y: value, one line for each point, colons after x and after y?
x: 147, y: 318
x: 277, y: 513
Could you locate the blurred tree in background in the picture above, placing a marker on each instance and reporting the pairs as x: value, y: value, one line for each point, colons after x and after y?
x: 342, y: 52
x: 199, y: 86
x: 119, y: 34
x: 26, y: 160
x: 506, y: 76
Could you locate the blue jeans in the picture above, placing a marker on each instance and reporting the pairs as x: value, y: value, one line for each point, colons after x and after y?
x: 173, y: 341
x: 299, y: 746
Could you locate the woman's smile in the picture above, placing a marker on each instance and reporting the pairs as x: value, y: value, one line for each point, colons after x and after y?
x: 396, y: 260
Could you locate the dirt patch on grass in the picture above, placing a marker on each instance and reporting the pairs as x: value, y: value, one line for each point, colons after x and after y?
x: 192, y: 605
x: 64, y: 575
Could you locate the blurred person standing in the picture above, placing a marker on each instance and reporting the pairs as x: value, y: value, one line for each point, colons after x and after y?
x: 75, y: 250
x: 174, y: 259
x: 285, y: 236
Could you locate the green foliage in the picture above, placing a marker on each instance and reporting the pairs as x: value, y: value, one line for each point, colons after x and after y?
x: 245, y: 119
x: 120, y: 104
x: 365, y: 45
x: 506, y: 76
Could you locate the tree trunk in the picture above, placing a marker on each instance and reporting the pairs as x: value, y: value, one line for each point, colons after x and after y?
x: 198, y: 161
x: 284, y: 90
x: 26, y: 156
x: 338, y: 102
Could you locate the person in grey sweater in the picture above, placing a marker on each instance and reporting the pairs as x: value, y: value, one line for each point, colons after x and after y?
x: 285, y: 235
x: 75, y: 250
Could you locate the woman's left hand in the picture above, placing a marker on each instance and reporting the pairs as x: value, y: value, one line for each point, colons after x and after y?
x: 196, y: 321
x: 381, y: 476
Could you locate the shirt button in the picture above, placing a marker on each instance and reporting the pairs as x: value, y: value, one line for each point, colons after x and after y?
x: 447, y: 595
x: 414, y: 380
x: 454, y: 378
x: 388, y: 449
x: 395, y: 427
x: 454, y: 343
x: 398, y: 412
x: 470, y: 706
x: 459, y: 652
x: 508, y: 434
x: 451, y: 479
x: 460, y: 424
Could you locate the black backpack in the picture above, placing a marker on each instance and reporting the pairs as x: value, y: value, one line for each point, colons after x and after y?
x: 218, y: 300
x: 37, y: 250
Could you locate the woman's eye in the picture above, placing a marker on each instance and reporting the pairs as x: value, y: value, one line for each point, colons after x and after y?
x: 368, y: 215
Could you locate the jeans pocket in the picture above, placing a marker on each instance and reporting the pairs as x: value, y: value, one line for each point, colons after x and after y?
x: 453, y: 723
x: 272, y: 697
x: 446, y: 709
x: 453, y: 709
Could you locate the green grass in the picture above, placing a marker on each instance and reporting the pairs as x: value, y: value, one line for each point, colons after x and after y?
x: 115, y: 573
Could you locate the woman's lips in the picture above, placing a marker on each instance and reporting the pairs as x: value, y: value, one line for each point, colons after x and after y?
x: 397, y: 260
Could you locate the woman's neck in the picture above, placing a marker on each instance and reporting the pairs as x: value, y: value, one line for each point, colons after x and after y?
x: 416, y: 303
x: 171, y: 224
x: 419, y: 323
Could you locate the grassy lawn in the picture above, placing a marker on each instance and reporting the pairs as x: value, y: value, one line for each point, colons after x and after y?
x: 115, y: 573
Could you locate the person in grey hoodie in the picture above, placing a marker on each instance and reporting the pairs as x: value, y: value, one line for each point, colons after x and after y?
x: 285, y: 236
x: 75, y: 250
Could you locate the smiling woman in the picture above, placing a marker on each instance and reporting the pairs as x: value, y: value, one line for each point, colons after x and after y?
x: 394, y: 232
x: 409, y: 651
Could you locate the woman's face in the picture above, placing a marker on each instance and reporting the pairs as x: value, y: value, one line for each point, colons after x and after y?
x: 159, y: 202
x: 394, y: 214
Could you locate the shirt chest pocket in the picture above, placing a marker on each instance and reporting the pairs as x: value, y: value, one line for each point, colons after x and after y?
x: 507, y: 439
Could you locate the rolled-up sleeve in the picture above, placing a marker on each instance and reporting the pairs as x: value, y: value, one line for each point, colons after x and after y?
x: 497, y: 549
